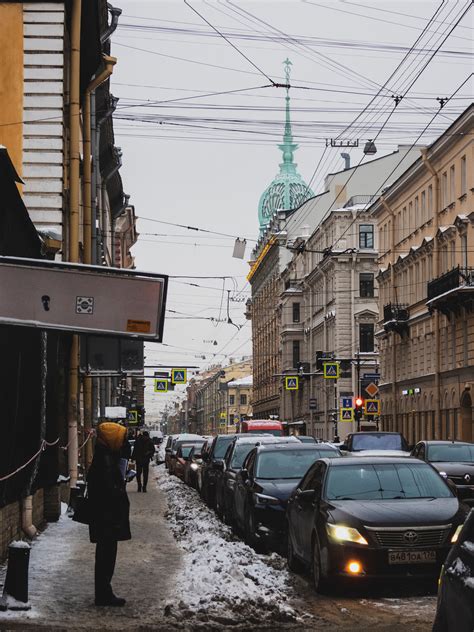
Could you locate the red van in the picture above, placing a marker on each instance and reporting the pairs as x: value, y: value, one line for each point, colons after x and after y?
x: 259, y: 426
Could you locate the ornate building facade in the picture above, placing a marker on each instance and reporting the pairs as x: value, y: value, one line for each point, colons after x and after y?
x: 426, y: 291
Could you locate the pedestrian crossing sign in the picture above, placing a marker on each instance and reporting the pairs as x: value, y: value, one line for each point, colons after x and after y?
x: 291, y: 383
x: 178, y: 376
x: 161, y: 386
x: 331, y: 370
x: 372, y: 407
x: 132, y: 417
x: 347, y: 414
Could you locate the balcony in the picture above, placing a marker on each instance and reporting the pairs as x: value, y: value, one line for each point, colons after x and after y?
x: 395, y: 318
x: 452, y: 291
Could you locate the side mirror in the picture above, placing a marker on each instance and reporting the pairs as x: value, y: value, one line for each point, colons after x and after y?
x: 306, y: 496
x: 219, y: 464
x: 244, y: 474
x: 344, y: 446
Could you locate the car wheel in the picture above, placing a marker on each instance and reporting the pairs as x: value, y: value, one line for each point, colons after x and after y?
x: 250, y: 533
x: 294, y: 564
x: 319, y: 581
x: 218, y: 504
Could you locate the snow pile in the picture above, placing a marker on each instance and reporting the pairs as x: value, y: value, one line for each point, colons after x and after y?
x: 222, y: 578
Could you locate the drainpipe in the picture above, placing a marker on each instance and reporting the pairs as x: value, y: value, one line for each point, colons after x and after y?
x: 74, y: 176
x: 393, y: 298
x: 27, y: 525
x: 437, y: 210
x: 109, y: 63
x: 115, y: 13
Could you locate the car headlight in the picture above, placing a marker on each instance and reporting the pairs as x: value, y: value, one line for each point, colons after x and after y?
x: 443, y: 474
x: 194, y: 466
x: 340, y: 533
x: 262, y: 499
x: 456, y: 534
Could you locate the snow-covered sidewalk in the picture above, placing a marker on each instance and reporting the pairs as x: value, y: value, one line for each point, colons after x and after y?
x: 222, y: 579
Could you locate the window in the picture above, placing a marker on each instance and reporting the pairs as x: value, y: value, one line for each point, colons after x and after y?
x: 231, y: 420
x: 423, y: 207
x: 366, y: 236
x: 296, y: 353
x: 231, y: 400
x: 444, y: 190
x: 464, y: 249
x: 296, y: 312
x: 463, y: 176
x: 366, y: 285
x: 366, y: 337
x: 430, y: 201
x: 452, y: 185
x: 411, y: 221
x: 417, y: 215
x: 243, y: 400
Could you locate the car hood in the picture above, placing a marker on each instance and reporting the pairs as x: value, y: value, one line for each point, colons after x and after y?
x: 455, y: 468
x: 279, y: 488
x: 387, y: 453
x: 395, y: 513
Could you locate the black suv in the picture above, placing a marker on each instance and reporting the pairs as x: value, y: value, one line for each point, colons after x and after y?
x: 233, y: 461
x: 213, y: 462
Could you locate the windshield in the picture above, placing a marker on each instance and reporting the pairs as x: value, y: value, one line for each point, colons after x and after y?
x: 221, y: 446
x: 286, y: 464
x: 374, y: 441
x: 239, y: 455
x: 186, y: 449
x: 451, y: 452
x: 385, y: 481
x: 275, y: 432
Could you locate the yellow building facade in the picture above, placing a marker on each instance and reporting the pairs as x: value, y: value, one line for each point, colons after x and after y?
x: 426, y: 291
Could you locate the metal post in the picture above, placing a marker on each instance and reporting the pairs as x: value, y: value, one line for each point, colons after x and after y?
x: 15, y: 591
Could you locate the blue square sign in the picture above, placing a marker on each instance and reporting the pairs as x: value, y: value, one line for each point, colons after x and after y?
x: 346, y: 402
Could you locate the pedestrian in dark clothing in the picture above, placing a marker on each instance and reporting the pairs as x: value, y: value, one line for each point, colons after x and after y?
x: 143, y: 451
x: 109, y: 508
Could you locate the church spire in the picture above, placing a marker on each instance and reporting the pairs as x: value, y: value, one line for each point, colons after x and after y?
x: 288, y: 146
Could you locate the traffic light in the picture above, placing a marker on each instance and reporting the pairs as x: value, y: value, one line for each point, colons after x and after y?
x: 358, y: 408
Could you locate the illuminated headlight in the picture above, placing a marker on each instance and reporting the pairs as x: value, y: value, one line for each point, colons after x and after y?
x: 340, y: 533
x: 456, y: 534
x: 194, y: 466
x: 443, y: 474
x: 262, y: 499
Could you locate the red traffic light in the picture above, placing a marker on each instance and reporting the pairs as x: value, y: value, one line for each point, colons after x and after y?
x: 358, y: 402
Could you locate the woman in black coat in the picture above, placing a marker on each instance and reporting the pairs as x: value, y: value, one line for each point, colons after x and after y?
x: 109, y: 505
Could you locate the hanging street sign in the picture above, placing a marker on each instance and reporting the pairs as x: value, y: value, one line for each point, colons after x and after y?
x: 132, y: 417
x: 331, y: 370
x: 179, y: 376
x: 347, y: 414
x: 291, y: 383
x: 223, y: 415
x: 372, y: 389
x: 313, y: 403
x: 372, y: 407
x: 346, y: 402
x: 371, y: 376
x: 161, y: 386
x: 82, y: 299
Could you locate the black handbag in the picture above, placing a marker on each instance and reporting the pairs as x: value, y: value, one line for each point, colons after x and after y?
x: 82, y: 512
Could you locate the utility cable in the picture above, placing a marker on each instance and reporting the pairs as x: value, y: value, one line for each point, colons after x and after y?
x: 202, y: 230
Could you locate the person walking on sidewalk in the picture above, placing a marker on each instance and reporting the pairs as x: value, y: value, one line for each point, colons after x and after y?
x: 143, y: 451
x: 109, y: 509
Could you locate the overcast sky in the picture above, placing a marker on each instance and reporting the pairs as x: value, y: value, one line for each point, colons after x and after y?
x: 205, y: 160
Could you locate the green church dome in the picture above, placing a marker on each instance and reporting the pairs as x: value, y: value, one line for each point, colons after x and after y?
x: 288, y: 189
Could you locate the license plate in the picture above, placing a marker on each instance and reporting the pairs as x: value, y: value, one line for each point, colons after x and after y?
x: 411, y: 557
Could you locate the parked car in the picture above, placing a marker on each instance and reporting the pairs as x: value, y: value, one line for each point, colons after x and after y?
x: 455, y: 611
x: 212, y: 461
x: 169, y: 443
x: 232, y: 464
x: 453, y: 460
x: 259, y: 426
x: 359, y: 441
x: 182, y: 456
x: 368, y: 517
x: 306, y: 439
x: 264, y: 484
x: 193, y: 466
x: 177, y: 441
